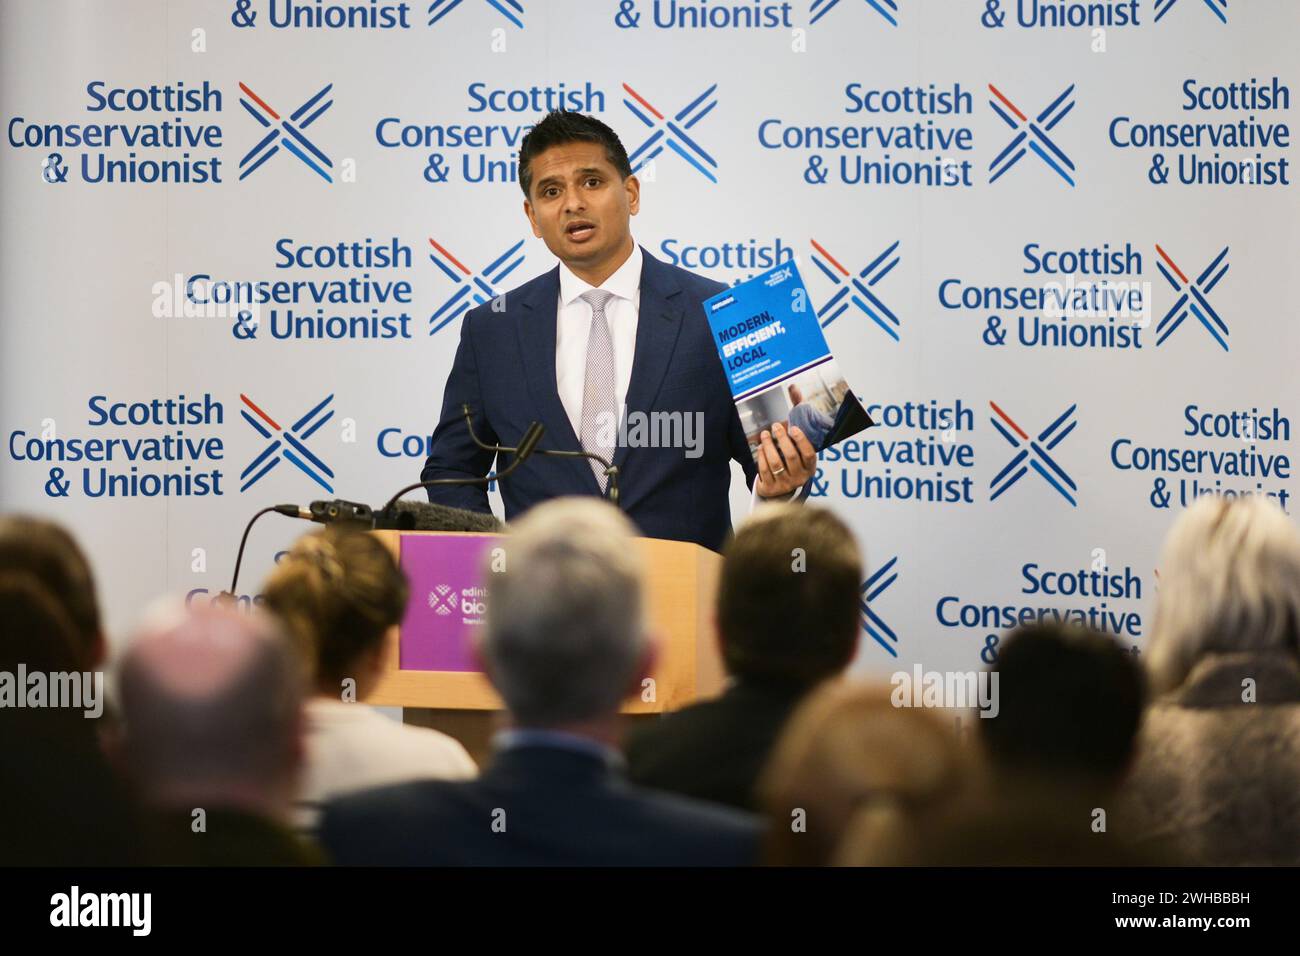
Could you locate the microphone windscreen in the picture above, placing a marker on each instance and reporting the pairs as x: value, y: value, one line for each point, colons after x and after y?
x: 426, y: 516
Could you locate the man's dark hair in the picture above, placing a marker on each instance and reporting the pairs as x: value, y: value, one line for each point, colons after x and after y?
x: 788, y: 600
x: 48, y: 553
x: 565, y: 126
x: 1070, y: 701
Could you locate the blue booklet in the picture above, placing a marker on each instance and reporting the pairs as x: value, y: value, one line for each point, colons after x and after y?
x: 778, y: 364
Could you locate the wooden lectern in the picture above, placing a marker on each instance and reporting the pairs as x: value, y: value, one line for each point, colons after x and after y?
x: 681, y: 579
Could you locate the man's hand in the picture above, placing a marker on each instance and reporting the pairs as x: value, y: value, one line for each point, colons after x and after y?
x: 785, y: 461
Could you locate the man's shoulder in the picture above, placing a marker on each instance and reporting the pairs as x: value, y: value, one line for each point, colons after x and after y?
x: 498, y: 310
x: 699, y: 287
x: 703, y: 733
x: 712, y: 829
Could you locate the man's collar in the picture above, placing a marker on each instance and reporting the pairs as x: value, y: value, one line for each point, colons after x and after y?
x: 516, y: 737
x: 624, y: 283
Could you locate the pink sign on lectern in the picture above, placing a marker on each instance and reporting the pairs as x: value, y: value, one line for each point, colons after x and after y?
x: 448, y: 600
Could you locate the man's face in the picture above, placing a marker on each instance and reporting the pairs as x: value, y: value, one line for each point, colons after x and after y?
x: 579, y: 206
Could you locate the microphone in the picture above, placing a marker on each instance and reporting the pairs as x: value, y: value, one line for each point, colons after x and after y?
x: 611, y: 472
x: 339, y: 511
x: 527, y: 447
x: 426, y: 516
x: 419, y: 516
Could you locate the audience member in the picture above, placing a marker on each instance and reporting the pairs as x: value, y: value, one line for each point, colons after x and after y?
x: 339, y: 592
x: 48, y: 553
x: 788, y: 617
x: 212, y: 705
x: 853, y: 771
x: 1068, y: 706
x: 62, y: 804
x: 1218, y: 768
x: 564, y: 643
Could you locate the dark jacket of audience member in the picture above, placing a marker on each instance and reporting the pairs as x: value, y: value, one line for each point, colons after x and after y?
x: 535, y: 804
x: 564, y: 642
x: 788, y: 617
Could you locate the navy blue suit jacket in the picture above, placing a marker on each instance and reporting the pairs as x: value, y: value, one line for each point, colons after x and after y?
x: 550, y: 807
x: 505, y: 370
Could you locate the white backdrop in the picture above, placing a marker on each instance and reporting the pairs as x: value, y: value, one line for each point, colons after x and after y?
x: 1028, y: 139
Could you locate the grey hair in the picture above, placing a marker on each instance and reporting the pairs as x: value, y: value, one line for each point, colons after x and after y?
x: 1229, y: 582
x: 564, y: 630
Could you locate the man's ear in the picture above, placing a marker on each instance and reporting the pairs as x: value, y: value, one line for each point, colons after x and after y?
x: 633, y: 187
x: 532, y: 221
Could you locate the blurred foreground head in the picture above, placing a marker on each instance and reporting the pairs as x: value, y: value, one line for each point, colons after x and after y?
x: 789, y: 597
x: 853, y: 775
x: 212, y: 702
x: 61, y: 804
x: 338, y: 591
x: 1229, y: 583
x: 564, y: 640
x: 1069, y: 705
x: 49, y: 554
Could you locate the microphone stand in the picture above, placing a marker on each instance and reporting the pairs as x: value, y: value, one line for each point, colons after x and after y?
x: 527, y: 446
x: 611, y: 470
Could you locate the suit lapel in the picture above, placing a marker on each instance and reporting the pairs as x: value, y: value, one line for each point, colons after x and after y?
x: 658, y: 325
x: 536, y: 328
x: 657, y: 328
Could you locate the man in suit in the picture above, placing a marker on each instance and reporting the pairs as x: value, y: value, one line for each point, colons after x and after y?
x: 563, y: 643
x: 212, y: 702
x: 609, y: 335
x: 786, y: 624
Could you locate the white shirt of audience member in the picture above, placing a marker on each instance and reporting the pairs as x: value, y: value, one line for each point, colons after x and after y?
x: 351, y: 747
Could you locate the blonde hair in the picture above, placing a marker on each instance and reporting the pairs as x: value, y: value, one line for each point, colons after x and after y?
x: 338, y: 591
x: 1229, y: 582
x: 861, y: 770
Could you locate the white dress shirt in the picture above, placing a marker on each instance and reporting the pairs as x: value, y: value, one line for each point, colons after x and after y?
x: 573, y: 329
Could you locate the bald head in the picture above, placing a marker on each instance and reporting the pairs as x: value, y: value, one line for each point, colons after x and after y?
x: 212, y: 701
